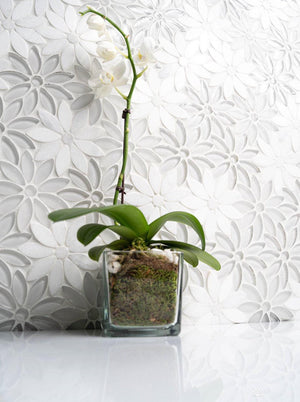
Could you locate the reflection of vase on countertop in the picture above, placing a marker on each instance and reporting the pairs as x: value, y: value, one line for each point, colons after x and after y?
x: 144, y: 369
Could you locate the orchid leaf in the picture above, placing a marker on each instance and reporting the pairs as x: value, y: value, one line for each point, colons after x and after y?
x: 126, y: 215
x: 180, y: 217
x: 95, y: 252
x: 202, y: 256
x: 87, y: 233
x: 188, y: 256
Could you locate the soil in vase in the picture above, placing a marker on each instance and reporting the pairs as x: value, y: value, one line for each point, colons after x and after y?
x: 144, y: 290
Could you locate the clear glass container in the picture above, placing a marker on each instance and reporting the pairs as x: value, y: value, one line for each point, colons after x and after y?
x: 142, y: 293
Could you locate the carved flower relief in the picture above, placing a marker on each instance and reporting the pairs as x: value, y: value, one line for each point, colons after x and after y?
x: 13, y: 138
x: 291, y: 205
x: 181, y: 61
x: 285, y: 46
x: 157, y: 19
x: 271, y: 14
x: 156, y: 195
x: 254, y: 118
x: 118, y: 10
x: 84, y: 310
x: 26, y: 306
x: 36, y: 81
x: 10, y: 241
x: 85, y: 101
x: 266, y: 300
x: 209, y: 110
x: 55, y: 253
x: 207, y: 25
x: 70, y: 36
x: 261, y: 208
x: 247, y: 34
x: 240, y: 256
x: 233, y: 155
x: 158, y: 103
x: 58, y: 139
x: 93, y: 189
x: 30, y: 190
x: 274, y: 81
x: 282, y: 252
x: 214, y: 202
x: 215, y: 303
x: 230, y: 69
x: 288, y: 120
x: 278, y: 162
x: 18, y: 27
x: 184, y: 154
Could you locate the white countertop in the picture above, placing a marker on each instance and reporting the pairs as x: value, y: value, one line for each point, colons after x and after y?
x: 212, y: 363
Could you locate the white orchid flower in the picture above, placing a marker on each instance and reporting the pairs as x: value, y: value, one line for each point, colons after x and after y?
x: 97, y: 23
x: 104, y: 80
x: 145, y: 54
x: 107, y: 50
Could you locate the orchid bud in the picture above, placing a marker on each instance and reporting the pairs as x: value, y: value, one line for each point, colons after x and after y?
x: 106, y: 50
x: 96, y: 22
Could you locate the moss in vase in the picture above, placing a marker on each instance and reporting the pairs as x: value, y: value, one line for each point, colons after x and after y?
x: 144, y: 291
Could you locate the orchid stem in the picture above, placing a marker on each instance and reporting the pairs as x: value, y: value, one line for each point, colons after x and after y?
x: 120, y: 188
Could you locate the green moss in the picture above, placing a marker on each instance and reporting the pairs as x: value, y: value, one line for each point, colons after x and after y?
x: 145, y: 295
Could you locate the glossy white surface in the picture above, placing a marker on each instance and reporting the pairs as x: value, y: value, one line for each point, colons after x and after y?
x: 221, y: 363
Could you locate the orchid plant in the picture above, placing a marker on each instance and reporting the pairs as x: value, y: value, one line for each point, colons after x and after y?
x: 129, y: 222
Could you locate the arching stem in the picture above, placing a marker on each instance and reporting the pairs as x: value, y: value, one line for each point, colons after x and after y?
x: 120, y: 188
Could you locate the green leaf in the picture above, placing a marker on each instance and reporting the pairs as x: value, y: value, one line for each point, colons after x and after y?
x: 126, y: 215
x: 95, y: 252
x: 87, y: 233
x: 70, y: 213
x: 130, y: 216
x: 181, y: 217
x: 188, y: 256
x: 202, y: 256
x: 124, y: 232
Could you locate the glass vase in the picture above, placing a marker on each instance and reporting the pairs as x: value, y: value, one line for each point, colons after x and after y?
x: 142, y: 293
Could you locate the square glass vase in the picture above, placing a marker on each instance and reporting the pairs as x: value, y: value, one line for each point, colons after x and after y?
x: 142, y: 293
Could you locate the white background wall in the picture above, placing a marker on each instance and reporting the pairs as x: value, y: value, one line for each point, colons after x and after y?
x: 215, y: 131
